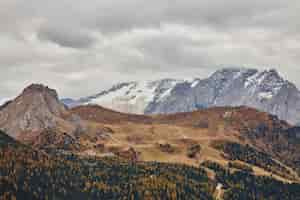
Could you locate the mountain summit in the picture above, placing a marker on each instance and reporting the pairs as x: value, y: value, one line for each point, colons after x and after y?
x: 36, y: 110
x: 264, y: 90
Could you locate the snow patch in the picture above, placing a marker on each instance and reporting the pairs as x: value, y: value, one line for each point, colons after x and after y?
x: 240, y: 73
x: 265, y: 84
x: 194, y: 83
x: 136, y: 96
x: 3, y: 101
x: 170, y: 86
x: 165, y: 94
x: 132, y: 98
x: 255, y: 79
x: 265, y: 95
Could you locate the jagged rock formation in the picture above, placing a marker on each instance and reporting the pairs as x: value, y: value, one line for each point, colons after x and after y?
x: 263, y: 90
x: 34, y: 112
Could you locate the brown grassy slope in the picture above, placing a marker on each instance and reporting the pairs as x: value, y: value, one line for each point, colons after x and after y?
x: 147, y: 134
x: 103, y: 115
x: 237, y: 117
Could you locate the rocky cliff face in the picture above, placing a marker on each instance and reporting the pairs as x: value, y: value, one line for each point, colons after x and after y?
x: 37, y: 109
x: 263, y: 90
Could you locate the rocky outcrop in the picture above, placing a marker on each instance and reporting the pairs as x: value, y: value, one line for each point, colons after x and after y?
x: 35, y: 110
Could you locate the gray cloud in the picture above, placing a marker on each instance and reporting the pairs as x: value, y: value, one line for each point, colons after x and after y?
x: 66, y: 37
x: 82, y: 47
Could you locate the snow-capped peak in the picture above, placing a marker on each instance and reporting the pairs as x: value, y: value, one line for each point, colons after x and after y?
x: 264, y: 90
x: 266, y: 83
x: 134, y: 97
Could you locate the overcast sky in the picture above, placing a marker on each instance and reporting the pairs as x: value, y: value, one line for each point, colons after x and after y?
x: 80, y: 47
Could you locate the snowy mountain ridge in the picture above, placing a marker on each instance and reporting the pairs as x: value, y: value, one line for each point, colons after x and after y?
x: 265, y: 90
x: 133, y: 97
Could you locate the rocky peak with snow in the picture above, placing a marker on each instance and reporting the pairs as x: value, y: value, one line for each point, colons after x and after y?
x: 131, y: 97
x: 264, y: 90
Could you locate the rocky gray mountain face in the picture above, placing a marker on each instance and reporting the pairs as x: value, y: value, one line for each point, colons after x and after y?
x: 36, y: 110
x: 263, y: 90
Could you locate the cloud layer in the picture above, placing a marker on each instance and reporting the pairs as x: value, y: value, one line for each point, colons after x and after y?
x: 80, y: 47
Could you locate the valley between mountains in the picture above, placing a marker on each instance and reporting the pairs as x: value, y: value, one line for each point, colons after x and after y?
x: 151, y: 156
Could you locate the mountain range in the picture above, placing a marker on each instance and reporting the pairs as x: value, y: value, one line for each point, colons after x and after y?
x: 264, y: 90
x: 49, y: 150
x: 37, y: 118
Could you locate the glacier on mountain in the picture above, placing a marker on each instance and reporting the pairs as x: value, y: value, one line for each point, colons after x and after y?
x: 264, y: 90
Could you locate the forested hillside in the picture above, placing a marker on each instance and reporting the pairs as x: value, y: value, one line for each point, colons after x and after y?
x: 29, y: 174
